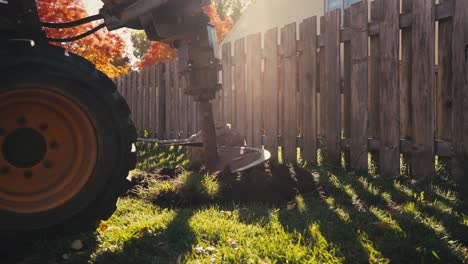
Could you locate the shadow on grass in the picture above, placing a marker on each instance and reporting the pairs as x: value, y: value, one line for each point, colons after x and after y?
x: 169, y: 246
x: 369, y: 227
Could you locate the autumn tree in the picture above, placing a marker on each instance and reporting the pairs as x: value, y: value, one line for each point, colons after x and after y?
x: 140, y: 42
x: 230, y: 8
x: 159, y: 52
x: 106, y: 50
x: 150, y: 53
x: 222, y: 26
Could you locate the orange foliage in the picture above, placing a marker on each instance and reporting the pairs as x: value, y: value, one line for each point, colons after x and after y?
x: 160, y: 52
x: 222, y: 26
x: 102, y: 48
x: 157, y: 53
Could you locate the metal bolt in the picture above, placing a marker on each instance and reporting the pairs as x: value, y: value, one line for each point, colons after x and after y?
x: 21, y: 120
x: 54, y: 145
x: 47, y: 164
x: 43, y: 127
x: 5, y: 170
x: 28, y: 174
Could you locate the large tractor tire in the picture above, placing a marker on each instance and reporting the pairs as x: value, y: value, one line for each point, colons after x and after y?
x: 66, y: 141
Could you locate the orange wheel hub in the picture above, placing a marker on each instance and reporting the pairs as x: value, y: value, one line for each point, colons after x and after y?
x: 48, y: 150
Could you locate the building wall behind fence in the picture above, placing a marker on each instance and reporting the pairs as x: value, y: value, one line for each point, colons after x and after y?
x: 355, y: 87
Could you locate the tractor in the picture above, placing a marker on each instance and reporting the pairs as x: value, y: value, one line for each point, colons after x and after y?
x: 67, y: 141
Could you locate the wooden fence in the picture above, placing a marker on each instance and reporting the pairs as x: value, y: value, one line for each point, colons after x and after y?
x: 355, y: 83
x: 160, y: 109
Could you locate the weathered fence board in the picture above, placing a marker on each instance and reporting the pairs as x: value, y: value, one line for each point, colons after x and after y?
x: 405, y: 75
x: 135, y: 99
x: 405, y: 84
x: 459, y: 84
x: 346, y: 93
x: 175, y: 99
x: 167, y: 105
x: 227, y: 83
x: 140, y: 103
x: 332, y: 88
x: 253, y: 90
x: 162, y: 102
x: 308, y: 86
x: 322, y: 81
x: 270, y: 85
x: 289, y: 130
x: 389, y: 90
x: 239, y: 62
x: 444, y: 80
x: 147, y: 112
x: 184, y: 107
x: 359, y: 81
x: 423, y: 81
x: 152, y: 108
x: 374, y: 82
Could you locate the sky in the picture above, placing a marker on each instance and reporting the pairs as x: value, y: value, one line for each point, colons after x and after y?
x: 92, y: 7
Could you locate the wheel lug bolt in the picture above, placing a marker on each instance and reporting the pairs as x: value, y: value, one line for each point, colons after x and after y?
x: 43, y: 127
x: 47, y: 164
x: 21, y: 120
x: 54, y: 145
x: 5, y: 170
x: 28, y: 174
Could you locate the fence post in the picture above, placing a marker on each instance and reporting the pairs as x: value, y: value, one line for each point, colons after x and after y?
x: 308, y: 86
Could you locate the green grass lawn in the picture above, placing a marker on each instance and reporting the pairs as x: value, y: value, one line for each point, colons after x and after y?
x: 346, y: 219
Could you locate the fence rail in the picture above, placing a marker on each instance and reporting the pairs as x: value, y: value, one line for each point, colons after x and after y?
x: 360, y: 86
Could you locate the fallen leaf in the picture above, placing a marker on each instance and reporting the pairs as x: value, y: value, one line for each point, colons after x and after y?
x: 232, y: 243
x: 227, y: 213
x: 291, y: 206
x: 199, y: 250
x: 65, y: 256
x: 384, y: 225
x: 103, y: 226
x: 76, y: 244
x: 210, y: 249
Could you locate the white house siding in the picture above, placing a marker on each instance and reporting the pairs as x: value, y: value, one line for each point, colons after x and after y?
x: 263, y: 15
